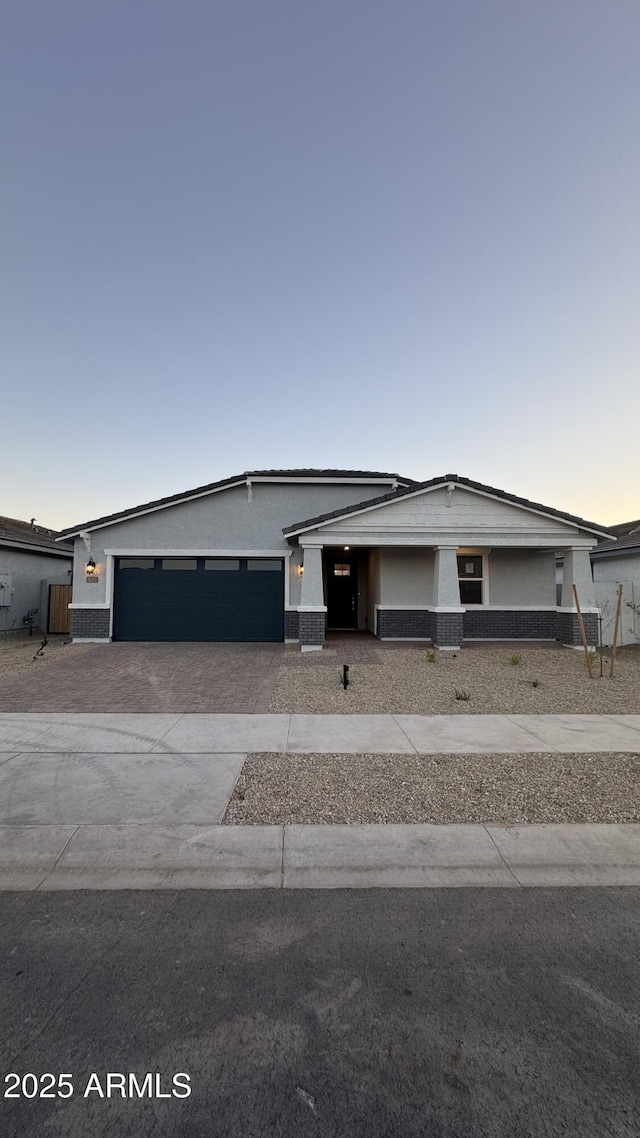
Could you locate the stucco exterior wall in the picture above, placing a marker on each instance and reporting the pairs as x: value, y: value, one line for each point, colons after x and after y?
x: 623, y: 568
x: 27, y: 571
x: 226, y: 520
x: 406, y: 576
x: 608, y: 573
x: 463, y: 517
x: 522, y: 577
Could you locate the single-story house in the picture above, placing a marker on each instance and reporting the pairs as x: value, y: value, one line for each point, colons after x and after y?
x: 617, y: 562
x: 33, y: 568
x: 272, y: 555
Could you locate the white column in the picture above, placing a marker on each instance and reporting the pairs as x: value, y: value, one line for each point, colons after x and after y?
x: 312, y: 609
x: 312, y: 593
x: 446, y: 588
x: 577, y: 571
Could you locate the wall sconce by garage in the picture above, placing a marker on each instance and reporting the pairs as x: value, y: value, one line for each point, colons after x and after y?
x: 90, y: 567
x: 346, y: 548
x: 299, y: 570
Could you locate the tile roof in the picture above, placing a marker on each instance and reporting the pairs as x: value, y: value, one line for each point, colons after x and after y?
x: 314, y: 472
x: 439, y: 481
x: 174, y: 499
x: 16, y: 532
x: 628, y: 537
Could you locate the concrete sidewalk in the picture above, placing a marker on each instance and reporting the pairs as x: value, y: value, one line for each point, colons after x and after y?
x: 348, y: 734
x: 134, y: 802
x: 316, y: 857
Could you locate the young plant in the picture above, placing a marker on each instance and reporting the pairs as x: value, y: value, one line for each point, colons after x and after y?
x: 431, y: 657
x: 42, y: 647
x: 460, y: 694
x: 535, y: 683
x: 515, y: 658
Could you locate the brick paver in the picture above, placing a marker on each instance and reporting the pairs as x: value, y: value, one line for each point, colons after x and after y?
x: 126, y: 677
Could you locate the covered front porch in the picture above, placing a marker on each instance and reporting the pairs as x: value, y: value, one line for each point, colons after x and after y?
x: 446, y: 561
x: 442, y: 595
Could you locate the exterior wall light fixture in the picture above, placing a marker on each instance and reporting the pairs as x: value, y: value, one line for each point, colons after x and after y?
x: 299, y: 570
x: 90, y: 567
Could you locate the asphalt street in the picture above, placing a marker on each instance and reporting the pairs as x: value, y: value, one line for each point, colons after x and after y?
x: 439, y: 1013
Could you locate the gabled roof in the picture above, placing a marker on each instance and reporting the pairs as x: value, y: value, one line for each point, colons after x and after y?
x: 236, y: 480
x: 628, y: 539
x: 25, y: 535
x: 443, y: 480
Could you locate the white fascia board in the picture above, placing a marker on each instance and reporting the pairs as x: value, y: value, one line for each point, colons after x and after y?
x: 476, y: 608
x: 97, y: 605
x: 152, y: 510
x: 153, y: 552
x: 441, y: 486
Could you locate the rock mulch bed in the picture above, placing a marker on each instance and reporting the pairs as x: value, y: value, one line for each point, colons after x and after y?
x: 18, y: 649
x: 545, y: 680
x: 509, y: 789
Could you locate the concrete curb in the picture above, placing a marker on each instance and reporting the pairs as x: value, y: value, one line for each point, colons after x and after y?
x: 317, y: 857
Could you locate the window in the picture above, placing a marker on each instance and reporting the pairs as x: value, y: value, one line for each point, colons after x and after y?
x: 470, y: 578
x: 179, y: 563
x: 342, y: 570
x: 227, y: 564
x: 264, y: 565
x: 136, y: 563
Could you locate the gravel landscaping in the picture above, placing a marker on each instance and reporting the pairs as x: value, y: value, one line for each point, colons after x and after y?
x: 546, y: 680
x: 508, y: 789
x: 18, y: 649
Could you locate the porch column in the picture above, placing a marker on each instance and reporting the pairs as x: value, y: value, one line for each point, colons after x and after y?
x: 577, y: 571
x: 447, y: 612
x: 312, y: 610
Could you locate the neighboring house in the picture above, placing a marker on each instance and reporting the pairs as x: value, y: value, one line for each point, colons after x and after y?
x: 616, y: 563
x: 31, y: 561
x: 284, y: 554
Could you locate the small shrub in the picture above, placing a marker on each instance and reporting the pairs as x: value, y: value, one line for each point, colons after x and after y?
x: 516, y: 658
x: 460, y: 694
x: 431, y: 657
x: 593, y: 656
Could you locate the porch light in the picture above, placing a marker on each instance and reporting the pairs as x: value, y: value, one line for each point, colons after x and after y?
x: 346, y: 547
x: 90, y: 567
x: 299, y: 570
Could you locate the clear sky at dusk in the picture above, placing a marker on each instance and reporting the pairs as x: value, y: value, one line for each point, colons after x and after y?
x: 385, y: 235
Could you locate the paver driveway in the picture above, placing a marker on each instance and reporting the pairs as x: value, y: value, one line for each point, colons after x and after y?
x: 149, y: 678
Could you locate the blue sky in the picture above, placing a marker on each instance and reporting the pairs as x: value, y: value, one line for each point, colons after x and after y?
x: 397, y: 236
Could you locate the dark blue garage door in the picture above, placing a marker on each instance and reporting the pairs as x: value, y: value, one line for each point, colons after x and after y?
x: 213, y: 598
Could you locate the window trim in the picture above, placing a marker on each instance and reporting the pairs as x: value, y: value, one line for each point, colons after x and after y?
x: 474, y: 551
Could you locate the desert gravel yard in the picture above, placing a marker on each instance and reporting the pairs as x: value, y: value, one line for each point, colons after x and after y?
x: 544, y: 680
x: 19, y: 652
x: 508, y: 789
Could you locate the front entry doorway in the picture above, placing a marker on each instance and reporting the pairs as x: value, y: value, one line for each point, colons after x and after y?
x: 342, y: 591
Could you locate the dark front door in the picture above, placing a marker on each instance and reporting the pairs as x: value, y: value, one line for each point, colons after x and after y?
x: 342, y: 591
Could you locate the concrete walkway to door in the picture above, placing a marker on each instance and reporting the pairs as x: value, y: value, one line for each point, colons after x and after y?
x: 152, y: 678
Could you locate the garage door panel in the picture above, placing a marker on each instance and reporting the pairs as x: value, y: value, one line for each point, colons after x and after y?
x: 209, y: 602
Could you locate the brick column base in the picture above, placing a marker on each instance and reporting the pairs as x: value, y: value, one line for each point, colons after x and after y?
x: 89, y: 624
x: 311, y: 629
x: 569, y: 630
x: 446, y: 629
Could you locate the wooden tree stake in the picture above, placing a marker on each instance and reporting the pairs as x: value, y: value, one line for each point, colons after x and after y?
x: 583, y: 634
x: 615, y: 631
